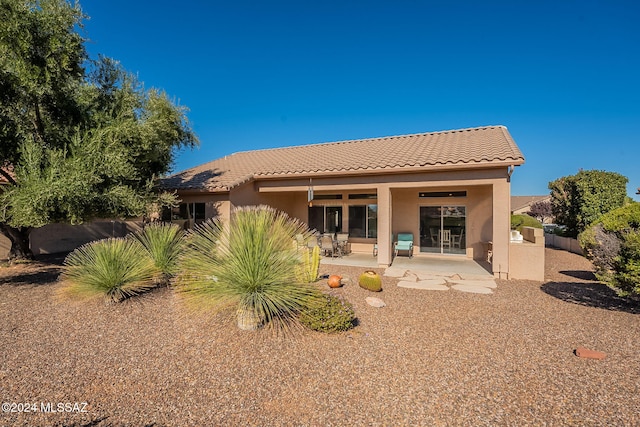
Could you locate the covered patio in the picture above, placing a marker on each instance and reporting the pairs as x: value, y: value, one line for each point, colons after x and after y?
x: 449, y: 191
x: 444, y: 265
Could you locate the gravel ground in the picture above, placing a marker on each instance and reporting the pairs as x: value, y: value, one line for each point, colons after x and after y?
x: 429, y: 358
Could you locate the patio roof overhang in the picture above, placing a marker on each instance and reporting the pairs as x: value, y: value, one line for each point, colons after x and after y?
x: 370, y: 180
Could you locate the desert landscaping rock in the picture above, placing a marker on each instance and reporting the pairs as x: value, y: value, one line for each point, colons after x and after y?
x: 375, y: 302
x: 427, y: 359
x: 430, y: 285
x: 410, y: 277
x: 395, y: 272
x: 474, y: 289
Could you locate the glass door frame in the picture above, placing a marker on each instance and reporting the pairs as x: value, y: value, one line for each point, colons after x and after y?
x: 426, y: 234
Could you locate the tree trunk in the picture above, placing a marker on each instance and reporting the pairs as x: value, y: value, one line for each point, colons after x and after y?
x: 19, y: 238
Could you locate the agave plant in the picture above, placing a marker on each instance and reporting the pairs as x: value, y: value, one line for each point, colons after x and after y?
x: 113, y: 268
x: 250, y: 265
x: 163, y: 243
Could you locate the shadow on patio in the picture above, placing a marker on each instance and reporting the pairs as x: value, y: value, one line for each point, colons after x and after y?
x: 440, y: 264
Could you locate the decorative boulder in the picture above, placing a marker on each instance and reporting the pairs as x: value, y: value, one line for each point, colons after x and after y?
x: 375, y: 302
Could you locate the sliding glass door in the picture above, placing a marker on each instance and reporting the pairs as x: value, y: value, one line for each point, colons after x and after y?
x: 443, y: 229
x: 325, y: 219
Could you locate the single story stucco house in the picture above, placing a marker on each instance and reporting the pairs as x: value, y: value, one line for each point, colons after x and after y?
x: 436, y: 184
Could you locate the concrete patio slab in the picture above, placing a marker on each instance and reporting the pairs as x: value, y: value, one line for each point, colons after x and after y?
x: 467, y: 276
x: 475, y: 289
x: 426, y: 275
x: 429, y: 285
x: 483, y: 283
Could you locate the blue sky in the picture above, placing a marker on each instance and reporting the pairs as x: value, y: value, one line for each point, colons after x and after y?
x: 563, y: 76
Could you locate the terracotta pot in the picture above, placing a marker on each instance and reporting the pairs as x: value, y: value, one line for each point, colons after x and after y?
x: 335, y: 281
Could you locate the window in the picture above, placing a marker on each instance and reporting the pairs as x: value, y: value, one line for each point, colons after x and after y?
x: 195, y: 211
x: 443, y: 194
x: 363, y: 221
x: 325, y: 219
x: 363, y: 196
x: 327, y: 197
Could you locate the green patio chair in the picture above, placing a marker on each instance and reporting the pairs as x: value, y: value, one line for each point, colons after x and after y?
x: 404, y: 243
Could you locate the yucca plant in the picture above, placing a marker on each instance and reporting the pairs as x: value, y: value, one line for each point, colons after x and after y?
x: 248, y: 265
x: 115, y: 269
x: 163, y: 243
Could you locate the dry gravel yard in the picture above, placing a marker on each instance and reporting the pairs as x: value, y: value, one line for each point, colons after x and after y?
x: 428, y: 358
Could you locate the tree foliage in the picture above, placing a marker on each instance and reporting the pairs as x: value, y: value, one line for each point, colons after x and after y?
x: 578, y: 200
x: 541, y: 210
x: 85, y: 138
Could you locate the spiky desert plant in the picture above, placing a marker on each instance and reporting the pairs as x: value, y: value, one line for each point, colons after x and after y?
x: 248, y: 265
x: 310, y: 264
x: 115, y: 269
x: 164, y: 243
x: 371, y: 281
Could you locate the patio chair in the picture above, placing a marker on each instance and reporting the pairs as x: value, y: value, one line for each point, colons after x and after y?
x: 327, y: 246
x: 434, y: 234
x: 404, y: 243
x: 343, y: 242
x: 312, y: 242
x: 457, y: 239
x: 445, y: 238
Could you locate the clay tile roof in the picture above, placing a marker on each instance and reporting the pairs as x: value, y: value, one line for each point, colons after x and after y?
x: 521, y: 202
x: 490, y: 145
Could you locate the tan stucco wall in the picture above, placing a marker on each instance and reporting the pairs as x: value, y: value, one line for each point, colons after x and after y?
x: 527, y: 258
x: 487, y: 204
x: 56, y: 238
x: 215, y: 205
x: 479, y: 227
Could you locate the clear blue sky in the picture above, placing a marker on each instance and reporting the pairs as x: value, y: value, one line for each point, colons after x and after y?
x: 563, y: 76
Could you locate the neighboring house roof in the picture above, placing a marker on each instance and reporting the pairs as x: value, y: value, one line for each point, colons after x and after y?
x: 475, y: 147
x: 521, y: 202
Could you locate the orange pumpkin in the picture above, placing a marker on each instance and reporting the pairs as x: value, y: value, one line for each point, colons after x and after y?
x: 335, y: 281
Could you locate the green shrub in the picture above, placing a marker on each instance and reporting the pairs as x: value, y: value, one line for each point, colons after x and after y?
x: 626, y: 218
x: 329, y: 314
x: 248, y: 265
x: 601, y: 248
x: 115, y: 269
x: 520, y: 221
x: 308, y: 269
x: 627, y: 265
x: 164, y: 243
x: 611, y: 243
x: 579, y: 200
x: 371, y: 281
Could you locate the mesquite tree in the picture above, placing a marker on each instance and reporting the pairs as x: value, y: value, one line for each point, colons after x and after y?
x: 83, y: 137
x: 578, y: 200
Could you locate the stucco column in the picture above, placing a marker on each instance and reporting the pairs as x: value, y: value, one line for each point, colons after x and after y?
x: 501, y: 228
x: 384, y: 226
